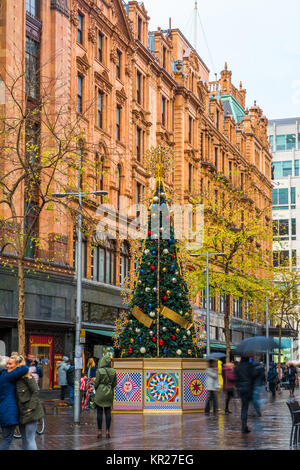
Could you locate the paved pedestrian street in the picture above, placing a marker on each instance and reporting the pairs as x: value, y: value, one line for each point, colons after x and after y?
x: 193, y: 431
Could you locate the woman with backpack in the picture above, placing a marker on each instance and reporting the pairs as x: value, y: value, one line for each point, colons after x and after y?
x: 105, y: 383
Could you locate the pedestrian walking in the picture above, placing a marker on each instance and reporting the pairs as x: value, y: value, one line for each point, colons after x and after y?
x: 29, y: 405
x: 62, y: 376
x: 291, y: 376
x: 87, y: 389
x: 39, y: 370
x: 272, y: 379
x: 245, y: 375
x: 229, y: 379
x: 91, y: 368
x: 220, y: 379
x: 259, y: 382
x: 70, y: 381
x: 9, y: 374
x: 105, y: 383
x: 212, y: 385
x: 33, y: 371
x: 279, y: 378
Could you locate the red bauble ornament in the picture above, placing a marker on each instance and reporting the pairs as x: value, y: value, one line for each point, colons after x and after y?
x: 152, y: 268
x: 173, y: 337
x: 153, y: 339
x: 172, y: 256
x: 130, y: 350
x: 165, y: 298
x: 149, y: 232
x: 161, y: 342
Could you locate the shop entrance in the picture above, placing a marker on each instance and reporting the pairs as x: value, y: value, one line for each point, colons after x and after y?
x: 98, y: 344
x: 40, y: 348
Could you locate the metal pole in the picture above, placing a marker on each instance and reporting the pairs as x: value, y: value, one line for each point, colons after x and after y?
x: 78, y: 352
x: 267, y: 334
x: 207, y: 307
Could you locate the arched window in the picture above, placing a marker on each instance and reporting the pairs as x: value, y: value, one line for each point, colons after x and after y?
x: 124, y: 261
x: 104, y: 262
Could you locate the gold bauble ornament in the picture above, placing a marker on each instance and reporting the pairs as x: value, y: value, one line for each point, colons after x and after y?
x: 186, y: 314
x: 164, y: 269
x: 168, y: 292
x: 177, y: 330
x: 131, y: 340
x: 189, y: 351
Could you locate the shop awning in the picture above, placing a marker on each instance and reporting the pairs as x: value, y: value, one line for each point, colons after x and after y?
x: 100, y: 332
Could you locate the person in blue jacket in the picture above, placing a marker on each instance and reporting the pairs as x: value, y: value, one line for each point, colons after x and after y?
x: 8, y: 403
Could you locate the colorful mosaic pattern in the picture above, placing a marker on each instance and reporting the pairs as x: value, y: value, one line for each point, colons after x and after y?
x: 128, y: 392
x: 161, y: 406
x: 194, y: 389
x: 162, y: 387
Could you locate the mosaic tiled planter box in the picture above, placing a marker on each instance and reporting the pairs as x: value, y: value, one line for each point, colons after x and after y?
x: 160, y: 385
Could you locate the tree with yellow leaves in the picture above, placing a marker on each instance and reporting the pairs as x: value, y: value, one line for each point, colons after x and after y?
x: 235, y: 227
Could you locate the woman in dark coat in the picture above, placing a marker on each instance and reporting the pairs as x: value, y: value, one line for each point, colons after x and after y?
x: 8, y: 403
x: 30, y: 408
x: 106, y: 381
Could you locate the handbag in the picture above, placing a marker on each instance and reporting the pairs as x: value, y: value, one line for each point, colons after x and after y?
x: 92, y: 403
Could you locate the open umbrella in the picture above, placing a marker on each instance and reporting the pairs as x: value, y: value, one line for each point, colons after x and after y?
x: 256, y: 344
x: 215, y: 356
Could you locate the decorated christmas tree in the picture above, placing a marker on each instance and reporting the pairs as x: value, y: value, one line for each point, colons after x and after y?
x: 159, y: 320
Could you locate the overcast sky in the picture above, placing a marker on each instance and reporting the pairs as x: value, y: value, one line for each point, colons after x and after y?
x: 259, y: 39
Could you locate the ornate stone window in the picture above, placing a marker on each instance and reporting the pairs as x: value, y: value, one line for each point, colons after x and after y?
x: 80, y: 19
x: 100, y: 54
x: 104, y: 262
x: 79, y: 93
x: 32, y: 68
x: 118, y: 122
x: 118, y: 63
x: 32, y: 7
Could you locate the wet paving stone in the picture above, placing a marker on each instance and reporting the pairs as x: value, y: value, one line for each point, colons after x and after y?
x: 192, y: 431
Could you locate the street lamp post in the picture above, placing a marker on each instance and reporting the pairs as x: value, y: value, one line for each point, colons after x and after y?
x: 207, y: 255
x: 78, y: 350
x: 267, y: 334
